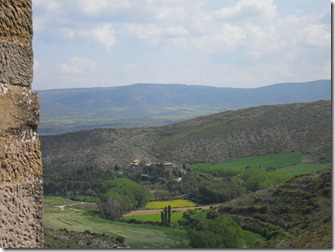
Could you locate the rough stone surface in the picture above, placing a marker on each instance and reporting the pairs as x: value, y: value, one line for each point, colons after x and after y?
x: 16, y: 63
x: 21, y: 191
x: 16, y: 20
x: 16, y: 53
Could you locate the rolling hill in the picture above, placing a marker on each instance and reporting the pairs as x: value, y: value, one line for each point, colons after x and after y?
x: 296, y: 214
x: 141, y: 105
x: 303, y: 127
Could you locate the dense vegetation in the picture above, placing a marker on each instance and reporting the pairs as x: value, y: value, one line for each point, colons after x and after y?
x: 259, y: 216
x: 83, y: 180
x: 222, y: 232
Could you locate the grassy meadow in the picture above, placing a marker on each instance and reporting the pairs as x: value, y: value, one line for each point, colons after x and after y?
x: 78, y: 216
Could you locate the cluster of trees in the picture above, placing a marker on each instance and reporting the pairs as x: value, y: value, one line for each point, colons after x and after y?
x: 204, y: 188
x: 119, y: 196
x: 215, y: 187
x: 83, y: 180
x: 166, y: 216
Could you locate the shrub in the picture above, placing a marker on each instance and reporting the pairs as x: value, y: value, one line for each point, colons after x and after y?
x: 119, y: 239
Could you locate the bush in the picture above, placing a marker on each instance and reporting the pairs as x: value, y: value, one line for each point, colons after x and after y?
x: 222, y: 232
x: 119, y: 239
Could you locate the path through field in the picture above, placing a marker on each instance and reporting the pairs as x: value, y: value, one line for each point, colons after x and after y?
x: 156, y: 211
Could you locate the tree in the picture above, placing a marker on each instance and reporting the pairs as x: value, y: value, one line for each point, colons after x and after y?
x: 110, y: 208
x: 119, y: 196
x: 166, y: 216
x: 162, y: 218
x: 169, y: 215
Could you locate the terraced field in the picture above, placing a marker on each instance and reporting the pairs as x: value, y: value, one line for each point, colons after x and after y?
x: 136, y: 235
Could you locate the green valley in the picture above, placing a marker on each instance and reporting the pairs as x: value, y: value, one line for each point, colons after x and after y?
x: 264, y: 171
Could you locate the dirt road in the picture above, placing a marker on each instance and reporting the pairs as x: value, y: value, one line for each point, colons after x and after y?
x: 156, y: 211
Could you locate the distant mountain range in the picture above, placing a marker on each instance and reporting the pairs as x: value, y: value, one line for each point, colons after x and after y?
x: 137, y: 105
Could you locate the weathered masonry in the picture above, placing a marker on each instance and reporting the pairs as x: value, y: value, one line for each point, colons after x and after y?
x: 21, y: 194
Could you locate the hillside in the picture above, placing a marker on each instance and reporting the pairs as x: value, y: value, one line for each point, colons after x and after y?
x: 295, y: 214
x: 138, y: 105
x: 303, y: 127
x: 64, y: 239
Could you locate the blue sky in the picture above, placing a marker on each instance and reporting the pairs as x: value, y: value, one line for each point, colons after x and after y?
x: 240, y: 43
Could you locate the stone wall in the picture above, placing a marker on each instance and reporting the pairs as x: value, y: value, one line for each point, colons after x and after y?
x: 21, y: 193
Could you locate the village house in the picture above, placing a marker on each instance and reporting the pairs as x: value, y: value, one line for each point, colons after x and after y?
x: 137, y: 165
x: 169, y: 167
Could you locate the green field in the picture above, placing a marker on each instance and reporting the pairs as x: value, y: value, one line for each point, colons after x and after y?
x: 172, y: 203
x: 290, y: 163
x: 53, y: 200
x: 303, y: 168
x: 277, y: 160
x: 136, y: 235
x: 74, y: 217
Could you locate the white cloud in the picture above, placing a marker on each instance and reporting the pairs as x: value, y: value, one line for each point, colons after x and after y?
x: 77, y: 65
x: 104, y: 35
x: 50, y: 5
x: 45, y: 13
x: 225, y: 39
x: 248, y: 8
x: 159, y: 35
x: 100, y: 34
x: 148, y: 31
x: 316, y: 35
x: 99, y: 7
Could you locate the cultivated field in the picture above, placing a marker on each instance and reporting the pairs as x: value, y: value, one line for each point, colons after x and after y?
x: 291, y: 163
x: 173, y: 203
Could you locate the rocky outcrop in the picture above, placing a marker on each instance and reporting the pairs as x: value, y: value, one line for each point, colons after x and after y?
x: 21, y: 193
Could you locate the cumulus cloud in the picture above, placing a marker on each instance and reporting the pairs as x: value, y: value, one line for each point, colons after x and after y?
x: 100, y: 34
x: 77, y: 65
x: 317, y: 35
x: 225, y: 39
x: 244, y: 9
x: 98, y: 7
x: 104, y: 35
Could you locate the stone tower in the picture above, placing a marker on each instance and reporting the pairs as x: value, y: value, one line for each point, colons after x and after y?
x: 21, y: 193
